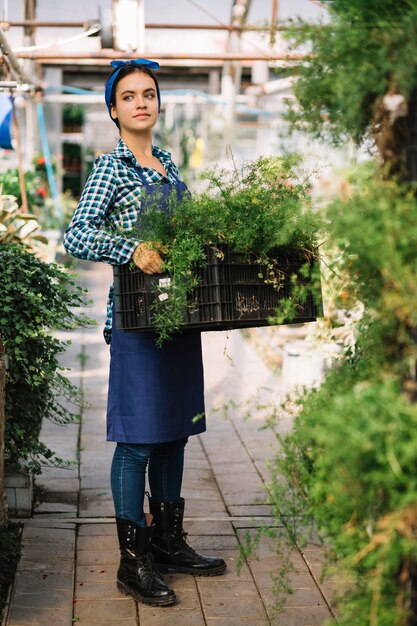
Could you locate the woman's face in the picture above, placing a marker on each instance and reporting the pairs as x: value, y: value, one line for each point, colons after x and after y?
x: 136, y: 105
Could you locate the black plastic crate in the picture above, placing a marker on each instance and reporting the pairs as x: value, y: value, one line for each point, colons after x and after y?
x: 232, y: 293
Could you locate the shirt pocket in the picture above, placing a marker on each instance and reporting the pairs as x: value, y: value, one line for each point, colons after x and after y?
x: 127, y: 206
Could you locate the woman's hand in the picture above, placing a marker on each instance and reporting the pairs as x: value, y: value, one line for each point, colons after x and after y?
x: 147, y: 258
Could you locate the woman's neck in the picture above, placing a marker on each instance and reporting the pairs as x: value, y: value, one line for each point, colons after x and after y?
x: 138, y: 144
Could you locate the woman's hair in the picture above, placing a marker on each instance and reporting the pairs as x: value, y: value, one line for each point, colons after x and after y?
x: 125, y: 71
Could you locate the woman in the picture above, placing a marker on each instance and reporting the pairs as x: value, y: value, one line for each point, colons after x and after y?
x: 153, y: 393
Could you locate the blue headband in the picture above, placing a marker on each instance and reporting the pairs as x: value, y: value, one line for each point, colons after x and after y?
x: 118, y: 64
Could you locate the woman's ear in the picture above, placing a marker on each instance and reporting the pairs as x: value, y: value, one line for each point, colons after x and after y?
x: 113, y: 112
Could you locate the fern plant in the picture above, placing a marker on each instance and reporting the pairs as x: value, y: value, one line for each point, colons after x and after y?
x: 259, y: 209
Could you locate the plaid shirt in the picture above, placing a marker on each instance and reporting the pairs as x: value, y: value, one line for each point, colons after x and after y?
x: 111, y: 200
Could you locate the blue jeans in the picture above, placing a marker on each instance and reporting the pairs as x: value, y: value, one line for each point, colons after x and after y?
x: 128, y: 470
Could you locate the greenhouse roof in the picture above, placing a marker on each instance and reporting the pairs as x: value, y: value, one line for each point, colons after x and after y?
x: 176, y: 46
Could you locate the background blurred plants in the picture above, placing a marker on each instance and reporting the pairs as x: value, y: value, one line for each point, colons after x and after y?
x: 349, y: 462
x: 73, y: 117
x: 366, y: 50
x: 48, y: 218
x: 40, y: 203
x: 35, y: 187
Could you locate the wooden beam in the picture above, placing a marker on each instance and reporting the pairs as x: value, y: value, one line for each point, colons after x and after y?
x: 44, y: 57
x: 274, y: 16
x: 160, y: 26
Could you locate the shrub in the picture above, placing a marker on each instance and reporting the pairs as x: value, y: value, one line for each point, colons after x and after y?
x: 37, y: 298
x: 349, y: 462
x: 366, y: 50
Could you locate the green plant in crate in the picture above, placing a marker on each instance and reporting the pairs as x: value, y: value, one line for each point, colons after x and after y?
x: 262, y: 207
x: 37, y: 298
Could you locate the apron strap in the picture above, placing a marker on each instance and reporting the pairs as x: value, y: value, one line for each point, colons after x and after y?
x: 139, y: 172
x: 178, y: 184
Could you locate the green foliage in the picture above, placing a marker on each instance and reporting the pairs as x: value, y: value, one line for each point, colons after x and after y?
x: 73, y: 116
x: 376, y: 230
x: 365, y: 50
x: 349, y: 462
x: 261, y: 207
x: 37, y: 298
x: 353, y: 454
x: 34, y: 182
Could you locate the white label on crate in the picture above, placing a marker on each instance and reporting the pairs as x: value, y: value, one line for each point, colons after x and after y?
x: 165, y: 282
x: 163, y: 296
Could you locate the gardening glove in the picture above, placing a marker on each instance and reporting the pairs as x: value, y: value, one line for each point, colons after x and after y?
x: 147, y: 258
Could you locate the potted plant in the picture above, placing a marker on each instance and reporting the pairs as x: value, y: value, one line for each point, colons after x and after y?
x: 73, y: 118
x: 258, y: 216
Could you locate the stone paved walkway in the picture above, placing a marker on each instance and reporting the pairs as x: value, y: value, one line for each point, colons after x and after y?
x: 70, y: 555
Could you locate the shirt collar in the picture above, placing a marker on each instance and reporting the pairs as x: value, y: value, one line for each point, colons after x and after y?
x: 121, y: 151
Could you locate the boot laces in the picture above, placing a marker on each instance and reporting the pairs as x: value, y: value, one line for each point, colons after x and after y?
x: 146, y: 569
x: 182, y: 543
x: 147, y: 562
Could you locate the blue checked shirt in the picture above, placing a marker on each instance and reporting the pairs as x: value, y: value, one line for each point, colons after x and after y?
x: 111, y: 200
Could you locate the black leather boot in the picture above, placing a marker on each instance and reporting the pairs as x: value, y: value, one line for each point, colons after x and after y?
x: 169, y: 548
x: 137, y: 575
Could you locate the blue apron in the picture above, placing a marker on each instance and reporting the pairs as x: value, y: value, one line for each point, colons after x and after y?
x: 154, y: 393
